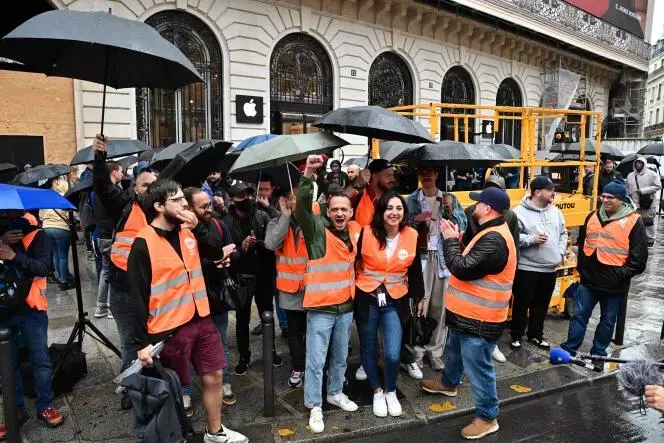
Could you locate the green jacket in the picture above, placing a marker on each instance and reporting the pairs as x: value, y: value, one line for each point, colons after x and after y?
x: 314, y: 229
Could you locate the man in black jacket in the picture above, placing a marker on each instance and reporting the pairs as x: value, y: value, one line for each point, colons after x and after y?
x: 477, y: 303
x: 612, y: 250
x: 255, y: 265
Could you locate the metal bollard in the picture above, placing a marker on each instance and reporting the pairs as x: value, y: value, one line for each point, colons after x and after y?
x: 620, y: 323
x: 267, y: 319
x: 8, y: 386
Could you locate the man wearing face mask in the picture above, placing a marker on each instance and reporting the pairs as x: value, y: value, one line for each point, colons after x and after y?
x: 255, y: 265
x: 643, y: 185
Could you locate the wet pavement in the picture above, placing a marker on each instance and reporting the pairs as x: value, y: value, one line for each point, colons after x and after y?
x: 93, y: 414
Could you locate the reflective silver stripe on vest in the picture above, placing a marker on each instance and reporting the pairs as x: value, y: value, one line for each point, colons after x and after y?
x: 290, y: 276
x: 492, y: 285
x: 118, y: 251
x: 42, y: 292
x: 318, y: 287
x: 168, y: 284
x: 613, y: 250
x: 196, y: 273
x: 599, y: 235
x: 478, y: 300
x: 292, y: 260
x: 174, y: 304
x: 395, y: 277
x: 331, y: 267
x: 123, y: 239
x: 200, y: 295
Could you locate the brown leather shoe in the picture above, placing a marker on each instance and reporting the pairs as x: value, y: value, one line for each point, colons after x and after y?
x: 436, y: 387
x: 51, y: 417
x: 479, y: 428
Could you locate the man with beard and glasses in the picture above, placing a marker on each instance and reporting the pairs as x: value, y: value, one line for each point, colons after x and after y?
x: 329, y: 289
x: 476, y: 304
x: 255, y: 266
x: 170, y: 300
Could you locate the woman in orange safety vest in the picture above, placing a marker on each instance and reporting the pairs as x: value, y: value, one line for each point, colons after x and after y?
x: 388, y: 275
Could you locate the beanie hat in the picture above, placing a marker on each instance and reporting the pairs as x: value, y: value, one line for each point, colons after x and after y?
x: 617, y: 189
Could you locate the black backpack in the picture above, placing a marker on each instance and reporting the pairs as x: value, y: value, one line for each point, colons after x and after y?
x: 156, y: 395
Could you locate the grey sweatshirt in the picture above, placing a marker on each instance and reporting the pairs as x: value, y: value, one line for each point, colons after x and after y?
x: 534, y: 221
x: 275, y: 234
x: 649, y: 182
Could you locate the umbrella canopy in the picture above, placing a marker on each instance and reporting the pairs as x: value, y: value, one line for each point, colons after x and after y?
x: 228, y: 161
x: 192, y: 166
x: 652, y: 149
x: 7, y: 167
x: 115, y: 149
x: 506, y: 151
x: 391, y: 149
x: 73, y: 193
x: 362, y: 162
x: 567, y: 156
x: 126, y: 162
x: 450, y: 153
x: 375, y: 122
x: 98, y: 47
x: 286, y: 148
x: 148, y: 155
x: 280, y: 175
x: 161, y: 158
x: 21, y: 197
x: 253, y: 141
x: 627, y: 164
x: 40, y: 173
x: 607, y: 150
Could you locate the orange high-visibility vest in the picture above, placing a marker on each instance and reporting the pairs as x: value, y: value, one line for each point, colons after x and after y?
x: 31, y: 219
x: 125, y: 238
x: 36, y: 298
x: 488, y: 298
x: 291, y: 263
x: 177, y: 289
x: 330, y: 280
x: 611, y: 241
x: 365, y: 209
x: 377, y: 270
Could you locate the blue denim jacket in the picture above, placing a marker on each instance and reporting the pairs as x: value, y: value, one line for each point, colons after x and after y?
x: 458, y: 217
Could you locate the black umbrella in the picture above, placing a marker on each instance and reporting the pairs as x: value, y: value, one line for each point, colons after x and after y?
x: 279, y: 174
x: 74, y: 192
x: 98, y: 47
x: 147, y: 156
x: 362, y: 162
x: 192, y: 166
x: 606, y: 150
x: 116, y: 148
x: 41, y: 172
x: 374, y: 122
x: 391, y: 149
x: 7, y: 167
x: 126, y: 162
x: 627, y: 164
x: 652, y: 149
x: 450, y: 153
x: 163, y: 157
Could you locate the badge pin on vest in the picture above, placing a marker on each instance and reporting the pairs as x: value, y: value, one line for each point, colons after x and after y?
x: 402, y: 254
x: 190, y: 244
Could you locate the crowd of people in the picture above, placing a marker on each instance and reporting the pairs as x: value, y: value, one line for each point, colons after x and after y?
x: 356, y: 253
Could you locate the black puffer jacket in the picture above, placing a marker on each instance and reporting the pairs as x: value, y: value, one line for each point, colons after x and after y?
x: 488, y: 256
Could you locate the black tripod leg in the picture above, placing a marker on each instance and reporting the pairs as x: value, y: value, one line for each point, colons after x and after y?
x: 77, y: 331
x: 101, y: 337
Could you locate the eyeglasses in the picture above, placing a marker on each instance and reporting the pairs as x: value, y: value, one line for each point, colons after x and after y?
x: 207, y: 207
x: 176, y: 199
x: 607, y: 197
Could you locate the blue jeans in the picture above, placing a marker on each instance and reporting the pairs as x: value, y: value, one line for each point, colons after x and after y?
x: 472, y: 355
x: 325, y: 330
x: 60, y: 246
x: 584, y: 302
x: 221, y: 321
x: 387, y: 319
x: 281, y: 313
x: 33, y: 326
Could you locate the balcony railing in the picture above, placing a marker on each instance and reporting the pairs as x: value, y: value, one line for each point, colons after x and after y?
x: 656, y: 73
x: 654, y: 128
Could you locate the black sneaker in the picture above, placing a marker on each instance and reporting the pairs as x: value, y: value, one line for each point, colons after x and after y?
x: 258, y: 330
x: 242, y: 366
x: 276, y: 360
x: 66, y: 286
x: 91, y: 256
x: 125, y: 402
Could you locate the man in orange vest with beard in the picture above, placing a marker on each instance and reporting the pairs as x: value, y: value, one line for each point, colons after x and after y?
x: 25, y: 251
x: 170, y: 301
x: 381, y: 180
x: 476, y: 303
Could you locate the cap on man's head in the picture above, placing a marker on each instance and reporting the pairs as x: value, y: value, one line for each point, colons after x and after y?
x: 495, y: 198
x: 240, y: 189
x: 494, y: 180
x: 542, y: 182
x: 380, y: 164
x: 617, y: 189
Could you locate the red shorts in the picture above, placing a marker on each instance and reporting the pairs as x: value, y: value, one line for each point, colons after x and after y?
x: 197, y: 342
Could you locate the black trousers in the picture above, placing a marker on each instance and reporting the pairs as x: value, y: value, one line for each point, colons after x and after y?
x: 297, y: 328
x: 532, y: 292
x: 263, y: 295
x: 87, y: 235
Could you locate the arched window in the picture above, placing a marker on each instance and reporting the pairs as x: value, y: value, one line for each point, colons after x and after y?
x: 300, y: 84
x: 390, y: 82
x: 457, y: 88
x: 191, y: 113
x: 509, y: 132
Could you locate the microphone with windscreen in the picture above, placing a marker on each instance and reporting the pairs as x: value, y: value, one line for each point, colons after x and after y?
x: 559, y: 356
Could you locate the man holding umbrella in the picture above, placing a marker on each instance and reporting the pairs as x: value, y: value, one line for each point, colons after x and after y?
x: 26, y: 249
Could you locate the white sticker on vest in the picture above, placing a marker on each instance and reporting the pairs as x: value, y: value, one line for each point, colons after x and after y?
x: 402, y: 254
x: 190, y: 243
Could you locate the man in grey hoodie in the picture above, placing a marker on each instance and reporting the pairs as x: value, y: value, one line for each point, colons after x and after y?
x: 542, y: 244
x: 643, y: 186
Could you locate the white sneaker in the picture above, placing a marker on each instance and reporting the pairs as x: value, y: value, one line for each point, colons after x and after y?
x: 110, y: 316
x: 379, y: 404
x: 498, y: 356
x: 316, y: 423
x: 360, y: 375
x: 393, y: 405
x: 342, y: 401
x: 414, y: 370
x: 224, y: 435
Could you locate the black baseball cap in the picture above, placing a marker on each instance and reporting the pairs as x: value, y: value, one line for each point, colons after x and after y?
x: 378, y: 165
x: 494, y: 197
x: 542, y: 182
x: 241, y: 189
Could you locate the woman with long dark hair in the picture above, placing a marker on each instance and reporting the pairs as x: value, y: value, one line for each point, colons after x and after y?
x: 389, y: 274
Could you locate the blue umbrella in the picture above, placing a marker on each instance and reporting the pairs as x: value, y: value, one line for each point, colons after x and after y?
x: 253, y: 141
x: 21, y: 197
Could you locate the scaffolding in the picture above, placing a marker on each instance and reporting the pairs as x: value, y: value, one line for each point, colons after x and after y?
x: 626, y: 107
x: 561, y: 89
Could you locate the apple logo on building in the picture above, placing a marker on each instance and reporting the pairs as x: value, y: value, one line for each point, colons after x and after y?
x: 249, y: 108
